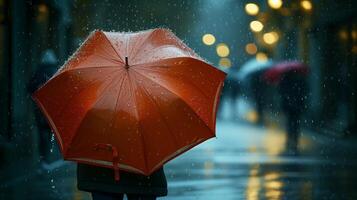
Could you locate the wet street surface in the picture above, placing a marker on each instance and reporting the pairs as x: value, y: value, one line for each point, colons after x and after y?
x: 243, y: 162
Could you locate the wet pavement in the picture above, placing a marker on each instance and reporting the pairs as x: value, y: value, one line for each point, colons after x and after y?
x: 243, y: 162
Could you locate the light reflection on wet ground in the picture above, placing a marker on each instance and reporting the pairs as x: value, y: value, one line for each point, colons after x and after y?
x: 244, y: 162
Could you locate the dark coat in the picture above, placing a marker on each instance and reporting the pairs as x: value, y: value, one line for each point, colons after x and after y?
x: 293, y: 91
x: 97, y: 179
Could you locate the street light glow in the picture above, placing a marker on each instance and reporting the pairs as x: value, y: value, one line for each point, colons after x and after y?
x: 271, y: 37
x: 208, y: 39
x: 261, y: 57
x: 225, y: 62
x: 222, y: 50
x: 251, y: 48
x: 251, y: 8
x: 256, y: 26
x: 275, y: 4
x: 306, y: 4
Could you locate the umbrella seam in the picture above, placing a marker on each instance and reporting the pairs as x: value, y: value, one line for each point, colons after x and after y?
x: 161, y: 115
x: 143, y: 42
x: 108, y: 58
x: 186, y: 80
x: 115, y: 109
x: 107, y: 39
x: 141, y: 135
x: 178, y: 96
x: 151, y: 64
x: 95, y: 102
x: 85, y: 68
x: 140, y: 47
x: 88, y: 85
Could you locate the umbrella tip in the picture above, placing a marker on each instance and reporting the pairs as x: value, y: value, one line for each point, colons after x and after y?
x: 126, y: 62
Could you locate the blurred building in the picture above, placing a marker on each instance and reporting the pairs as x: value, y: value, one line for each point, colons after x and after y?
x: 332, y: 55
x: 27, y: 29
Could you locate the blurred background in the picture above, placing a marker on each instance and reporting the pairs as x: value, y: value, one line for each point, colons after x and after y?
x: 288, y: 134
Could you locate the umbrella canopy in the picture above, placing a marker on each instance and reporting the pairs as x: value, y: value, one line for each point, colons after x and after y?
x: 252, y: 68
x: 131, y: 100
x: 274, y: 74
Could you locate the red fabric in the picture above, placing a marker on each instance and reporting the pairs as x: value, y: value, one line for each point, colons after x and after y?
x: 146, y: 95
x: 275, y: 73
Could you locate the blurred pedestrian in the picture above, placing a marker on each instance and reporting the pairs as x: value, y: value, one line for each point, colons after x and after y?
x: 258, y: 89
x: 230, y: 93
x: 45, y: 70
x: 293, y: 91
x: 100, y: 182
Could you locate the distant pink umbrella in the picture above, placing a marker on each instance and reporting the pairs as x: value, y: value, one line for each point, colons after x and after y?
x: 275, y: 73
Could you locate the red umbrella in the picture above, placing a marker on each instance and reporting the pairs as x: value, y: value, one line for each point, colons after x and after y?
x: 131, y: 101
x: 275, y: 73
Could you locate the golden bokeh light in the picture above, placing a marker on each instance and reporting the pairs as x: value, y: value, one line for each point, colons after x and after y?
x: 252, y: 116
x: 272, y: 176
x: 261, y: 57
x: 354, y: 34
x: 271, y: 37
x: 251, y: 48
x: 306, y: 4
x: 275, y: 4
x: 256, y: 26
x: 343, y: 34
x: 222, y: 50
x: 42, y: 8
x: 251, y: 9
x: 254, y: 183
x: 354, y: 49
x: 208, y: 39
x: 225, y: 62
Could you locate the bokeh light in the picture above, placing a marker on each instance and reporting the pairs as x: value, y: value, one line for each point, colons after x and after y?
x: 343, y: 34
x: 354, y: 34
x: 275, y: 4
x: 252, y: 116
x: 261, y: 57
x: 306, y: 4
x: 251, y: 48
x: 208, y: 39
x: 222, y: 50
x: 271, y: 37
x: 225, y: 62
x: 256, y: 26
x: 42, y: 8
x: 251, y: 9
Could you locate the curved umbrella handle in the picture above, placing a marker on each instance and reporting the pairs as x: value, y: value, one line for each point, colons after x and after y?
x: 114, y: 150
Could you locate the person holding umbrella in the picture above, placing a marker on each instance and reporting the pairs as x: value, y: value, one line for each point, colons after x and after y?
x: 291, y: 80
x: 250, y: 77
x: 127, y: 103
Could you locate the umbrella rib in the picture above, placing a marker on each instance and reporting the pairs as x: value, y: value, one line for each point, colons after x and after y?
x: 157, y: 63
x: 133, y: 48
x: 86, y: 68
x: 95, y: 102
x: 80, y: 91
x: 148, y: 78
x: 161, y: 115
x: 108, y: 58
x: 113, y: 48
x: 115, y: 108
x: 186, y: 80
x: 140, y: 47
x: 139, y: 124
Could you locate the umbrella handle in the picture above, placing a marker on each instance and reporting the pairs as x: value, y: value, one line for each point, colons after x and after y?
x: 114, y: 150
